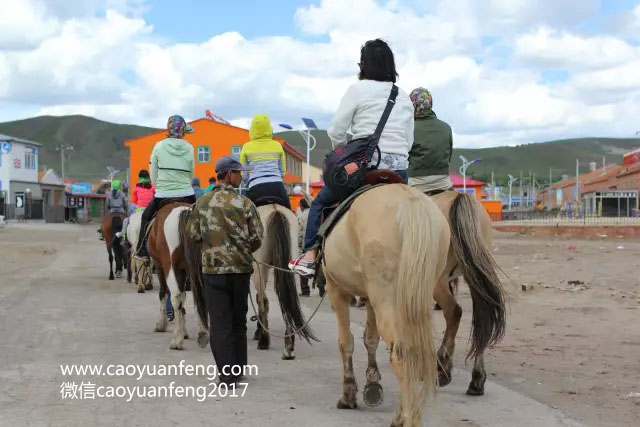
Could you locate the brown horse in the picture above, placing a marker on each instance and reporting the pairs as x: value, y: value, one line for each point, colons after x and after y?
x: 469, y: 256
x: 166, y: 248
x: 111, y: 224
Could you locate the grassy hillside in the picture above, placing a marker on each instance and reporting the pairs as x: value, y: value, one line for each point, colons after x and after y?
x: 559, y: 155
x: 97, y: 144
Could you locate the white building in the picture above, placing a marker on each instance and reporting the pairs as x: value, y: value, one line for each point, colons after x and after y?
x: 18, y: 176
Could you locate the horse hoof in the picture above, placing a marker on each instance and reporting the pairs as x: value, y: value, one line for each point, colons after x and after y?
x: 372, y: 394
x: 346, y: 405
x: 111, y: 277
x: 291, y: 356
x: 264, y: 342
x: 186, y: 336
x: 175, y: 346
x: 443, y: 379
x: 474, y: 391
x: 203, y: 339
x: 160, y: 328
x: 256, y: 335
x: 148, y: 287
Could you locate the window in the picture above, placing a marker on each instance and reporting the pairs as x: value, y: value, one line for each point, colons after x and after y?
x: 203, y: 155
x: 30, y: 158
x: 235, y: 151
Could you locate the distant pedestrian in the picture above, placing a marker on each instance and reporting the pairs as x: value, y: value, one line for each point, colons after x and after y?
x: 212, y: 185
x: 197, y: 190
x: 230, y: 230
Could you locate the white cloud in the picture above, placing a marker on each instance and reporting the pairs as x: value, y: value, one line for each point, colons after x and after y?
x: 24, y: 24
x: 110, y: 66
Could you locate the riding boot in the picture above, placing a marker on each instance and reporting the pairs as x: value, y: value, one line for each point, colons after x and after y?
x: 141, y: 250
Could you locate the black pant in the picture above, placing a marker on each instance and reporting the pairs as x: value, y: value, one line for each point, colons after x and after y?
x: 269, y: 192
x: 227, y: 304
x: 148, y: 214
x: 304, y: 286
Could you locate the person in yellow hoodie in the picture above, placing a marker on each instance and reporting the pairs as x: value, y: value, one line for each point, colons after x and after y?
x: 266, y: 160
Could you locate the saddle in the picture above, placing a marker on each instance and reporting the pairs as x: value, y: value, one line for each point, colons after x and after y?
x: 270, y: 200
x: 373, y: 179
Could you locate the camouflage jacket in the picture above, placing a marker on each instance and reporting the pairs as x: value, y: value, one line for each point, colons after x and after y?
x: 229, y: 228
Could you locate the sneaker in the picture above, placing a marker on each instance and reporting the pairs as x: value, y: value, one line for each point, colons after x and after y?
x: 303, y: 268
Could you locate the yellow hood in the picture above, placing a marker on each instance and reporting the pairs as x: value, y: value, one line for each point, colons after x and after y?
x: 261, y: 128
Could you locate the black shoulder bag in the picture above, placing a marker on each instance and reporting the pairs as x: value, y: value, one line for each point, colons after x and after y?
x: 345, y: 168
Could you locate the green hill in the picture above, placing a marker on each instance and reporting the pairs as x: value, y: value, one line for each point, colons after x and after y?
x: 97, y: 144
x: 559, y: 155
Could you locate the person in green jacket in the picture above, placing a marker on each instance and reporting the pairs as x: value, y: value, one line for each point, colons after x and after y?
x: 432, y: 148
x: 171, y: 167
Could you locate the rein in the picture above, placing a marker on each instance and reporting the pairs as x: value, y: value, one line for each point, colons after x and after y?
x: 255, y: 312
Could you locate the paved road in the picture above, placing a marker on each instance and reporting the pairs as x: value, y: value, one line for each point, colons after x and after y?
x: 60, y: 309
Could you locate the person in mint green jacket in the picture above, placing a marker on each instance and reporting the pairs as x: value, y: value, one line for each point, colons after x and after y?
x: 171, y: 167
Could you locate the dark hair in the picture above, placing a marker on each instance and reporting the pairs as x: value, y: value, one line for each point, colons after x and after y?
x: 222, y: 175
x: 304, y: 203
x: 144, y: 174
x: 212, y: 180
x: 376, y: 62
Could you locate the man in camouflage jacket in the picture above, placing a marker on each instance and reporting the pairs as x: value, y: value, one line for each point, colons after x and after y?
x: 230, y: 230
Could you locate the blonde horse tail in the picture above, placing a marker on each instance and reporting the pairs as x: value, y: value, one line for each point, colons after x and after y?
x: 192, y: 252
x: 420, y: 263
x: 480, y: 271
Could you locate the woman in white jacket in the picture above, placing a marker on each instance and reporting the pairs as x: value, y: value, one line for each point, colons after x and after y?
x: 358, y: 115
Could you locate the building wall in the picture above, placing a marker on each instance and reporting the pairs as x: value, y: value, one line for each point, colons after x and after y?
x: 13, y: 165
x: 221, y: 140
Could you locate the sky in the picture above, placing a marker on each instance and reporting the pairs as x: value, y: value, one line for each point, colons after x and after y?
x: 501, y: 72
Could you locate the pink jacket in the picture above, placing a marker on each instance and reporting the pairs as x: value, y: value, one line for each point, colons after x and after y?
x: 142, y: 196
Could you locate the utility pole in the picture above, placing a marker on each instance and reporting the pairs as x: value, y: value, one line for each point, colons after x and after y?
x: 521, y: 193
x: 550, y: 198
x: 61, y: 148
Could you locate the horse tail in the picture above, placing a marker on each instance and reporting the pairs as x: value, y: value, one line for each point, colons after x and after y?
x: 116, y: 226
x: 419, y: 268
x: 192, y: 252
x: 480, y: 271
x: 284, y: 282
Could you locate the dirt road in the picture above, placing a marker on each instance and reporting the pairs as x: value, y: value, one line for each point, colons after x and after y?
x: 568, y: 355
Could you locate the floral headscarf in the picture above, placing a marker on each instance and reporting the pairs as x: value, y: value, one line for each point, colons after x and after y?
x: 177, y: 127
x: 422, y: 101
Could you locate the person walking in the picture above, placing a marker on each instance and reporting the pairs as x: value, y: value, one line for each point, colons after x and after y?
x: 197, y: 190
x: 229, y: 228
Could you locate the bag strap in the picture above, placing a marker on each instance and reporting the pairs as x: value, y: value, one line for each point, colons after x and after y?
x: 387, y: 111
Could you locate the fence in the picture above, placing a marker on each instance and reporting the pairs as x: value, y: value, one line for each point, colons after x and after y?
x: 563, y: 218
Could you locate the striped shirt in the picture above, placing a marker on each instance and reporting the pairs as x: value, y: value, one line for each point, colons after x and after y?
x: 267, y: 160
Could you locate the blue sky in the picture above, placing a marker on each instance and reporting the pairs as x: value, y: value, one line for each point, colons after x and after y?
x: 502, y: 72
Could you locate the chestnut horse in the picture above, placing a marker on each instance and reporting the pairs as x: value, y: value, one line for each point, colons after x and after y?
x: 111, y: 224
x: 166, y: 248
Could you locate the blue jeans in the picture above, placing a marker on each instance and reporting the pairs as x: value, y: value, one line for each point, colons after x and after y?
x: 322, y: 201
x: 169, y: 307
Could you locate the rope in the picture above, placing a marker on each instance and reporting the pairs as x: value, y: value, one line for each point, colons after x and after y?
x: 255, y: 312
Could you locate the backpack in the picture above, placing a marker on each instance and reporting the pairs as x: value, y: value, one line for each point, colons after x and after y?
x: 344, y: 169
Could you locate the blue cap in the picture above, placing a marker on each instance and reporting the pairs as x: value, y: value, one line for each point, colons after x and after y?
x: 228, y: 163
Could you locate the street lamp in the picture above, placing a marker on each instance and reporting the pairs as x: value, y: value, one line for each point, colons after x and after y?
x: 463, y: 170
x: 308, y: 139
x: 511, y: 181
x: 61, y: 149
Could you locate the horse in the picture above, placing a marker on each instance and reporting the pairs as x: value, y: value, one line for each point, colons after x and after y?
x: 136, y: 266
x: 469, y: 256
x: 111, y: 224
x: 395, y: 264
x: 280, y: 244
x: 165, y: 245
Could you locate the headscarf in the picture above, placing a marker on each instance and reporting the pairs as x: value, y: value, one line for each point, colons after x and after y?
x: 177, y: 127
x: 422, y: 101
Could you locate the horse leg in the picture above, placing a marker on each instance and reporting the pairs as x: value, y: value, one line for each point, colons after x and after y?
x: 372, y: 393
x: 163, y: 322
x: 147, y: 275
x: 177, y: 300
x: 340, y: 302
x: 452, y: 314
x: 478, y: 377
x: 111, y: 277
x: 288, y: 353
x: 260, y: 277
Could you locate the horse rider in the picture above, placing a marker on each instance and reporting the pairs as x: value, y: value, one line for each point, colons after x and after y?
x: 303, y: 217
x: 230, y: 230
x: 430, y: 155
x: 266, y: 159
x: 212, y: 185
x: 116, y: 202
x: 140, y: 198
x: 358, y: 114
x: 171, y: 167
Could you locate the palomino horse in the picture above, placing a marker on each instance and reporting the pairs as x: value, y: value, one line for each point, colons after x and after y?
x: 111, y: 224
x: 165, y: 245
x: 140, y: 269
x: 279, y: 245
x: 470, y: 257
x: 391, y: 248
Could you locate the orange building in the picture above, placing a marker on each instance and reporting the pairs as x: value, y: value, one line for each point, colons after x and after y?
x: 211, y: 140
